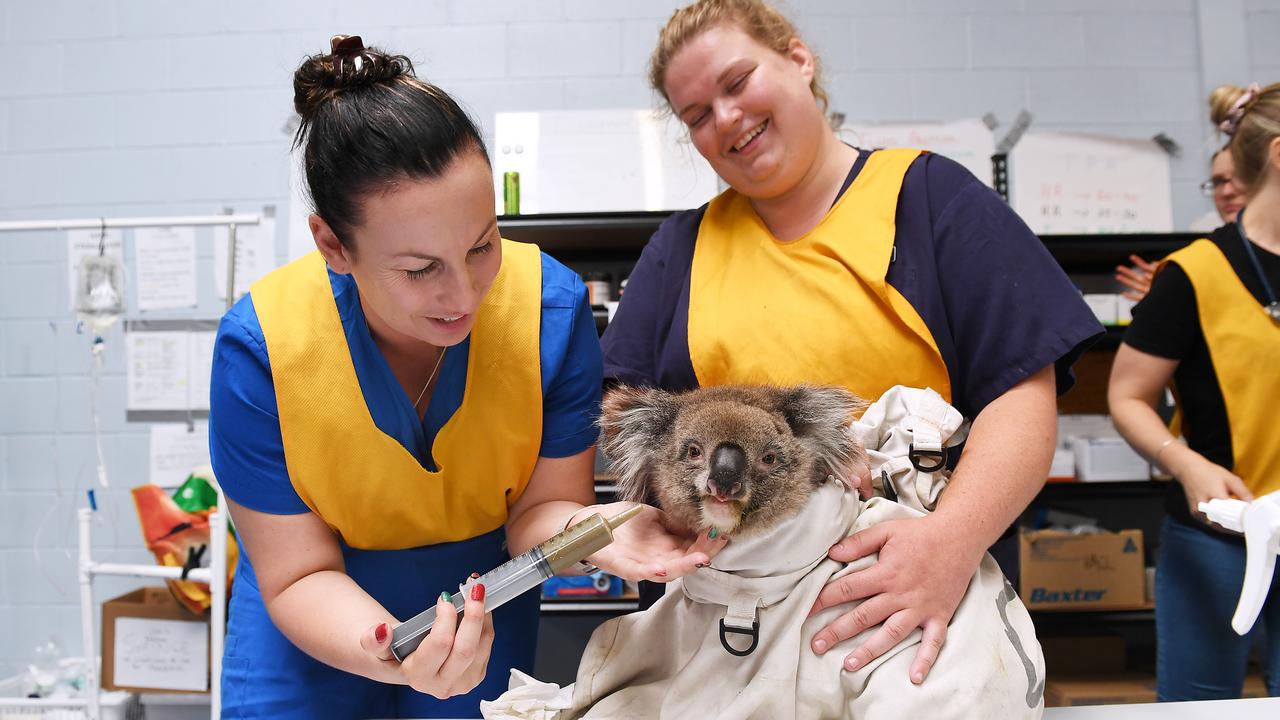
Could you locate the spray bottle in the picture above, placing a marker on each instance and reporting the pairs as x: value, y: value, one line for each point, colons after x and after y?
x: 1260, y: 522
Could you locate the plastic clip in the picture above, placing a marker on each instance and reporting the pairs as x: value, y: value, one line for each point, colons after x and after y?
x: 754, y: 632
x: 939, y: 455
x: 890, y: 493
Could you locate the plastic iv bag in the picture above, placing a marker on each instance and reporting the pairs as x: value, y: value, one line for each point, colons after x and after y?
x: 99, y: 291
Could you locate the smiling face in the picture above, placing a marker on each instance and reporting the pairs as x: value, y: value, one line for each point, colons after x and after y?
x: 749, y: 110
x: 425, y: 255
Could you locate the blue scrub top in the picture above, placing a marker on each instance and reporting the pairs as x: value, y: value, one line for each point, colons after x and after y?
x: 264, y: 675
x: 244, y: 427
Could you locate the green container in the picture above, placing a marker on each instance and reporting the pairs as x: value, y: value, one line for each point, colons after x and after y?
x: 511, y: 193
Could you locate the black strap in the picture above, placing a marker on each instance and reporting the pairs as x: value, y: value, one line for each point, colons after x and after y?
x: 1272, y: 304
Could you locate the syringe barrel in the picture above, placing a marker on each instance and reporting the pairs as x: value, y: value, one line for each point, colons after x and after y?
x: 515, y: 577
x: 578, y: 542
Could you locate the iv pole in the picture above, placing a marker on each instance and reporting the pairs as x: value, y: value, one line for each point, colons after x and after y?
x: 216, y: 574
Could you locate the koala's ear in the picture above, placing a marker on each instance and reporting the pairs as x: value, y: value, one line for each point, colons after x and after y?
x: 819, y: 418
x: 634, y: 424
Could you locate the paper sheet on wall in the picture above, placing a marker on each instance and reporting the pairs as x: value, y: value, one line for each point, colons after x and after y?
x: 168, y: 370
x: 255, y: 255
x: 157, y: 367
x: 165, y: 259
x: 599, y: 161
x: 968, y: 142
x: 199, y: 368
x: 171, y: 654
x: 86, y: 242
x: 1065, y: 183
x: 300, y: 240
x: 176, y: 449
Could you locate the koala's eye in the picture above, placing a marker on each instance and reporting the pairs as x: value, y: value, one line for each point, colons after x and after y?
x: 695, y: 452
x: 769, y: 458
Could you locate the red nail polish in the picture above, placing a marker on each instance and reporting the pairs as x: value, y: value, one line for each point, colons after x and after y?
x: 477, y: 591
x: 380, y: 633
x: 661, y: 573
x: 475, y: 575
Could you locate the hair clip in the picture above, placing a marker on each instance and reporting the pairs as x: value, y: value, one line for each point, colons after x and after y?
x: 1237, y: 111
x: 344, y: 46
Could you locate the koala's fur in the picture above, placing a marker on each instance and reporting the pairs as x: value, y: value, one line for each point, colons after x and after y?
x: 769, y: 446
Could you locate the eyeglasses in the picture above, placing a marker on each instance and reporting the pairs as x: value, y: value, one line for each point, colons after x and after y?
x: 1214, y: 185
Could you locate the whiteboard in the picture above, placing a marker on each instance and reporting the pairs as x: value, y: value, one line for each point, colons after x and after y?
x: 968, y: 142
x: 599, y: 161
x: 1066, y: 183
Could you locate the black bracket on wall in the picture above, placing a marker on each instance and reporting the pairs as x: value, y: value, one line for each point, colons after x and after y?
x: 1000, y: 174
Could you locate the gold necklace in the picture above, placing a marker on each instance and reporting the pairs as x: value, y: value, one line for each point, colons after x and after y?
x: 439, y: 360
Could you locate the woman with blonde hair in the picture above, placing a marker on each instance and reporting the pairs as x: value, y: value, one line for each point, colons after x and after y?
x: 825, y: 263
x: 1211, y: 326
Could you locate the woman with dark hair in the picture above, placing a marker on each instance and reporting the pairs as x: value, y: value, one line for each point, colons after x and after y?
x: 411, y: 403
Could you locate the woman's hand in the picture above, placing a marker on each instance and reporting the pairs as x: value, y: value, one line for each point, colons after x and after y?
x: 646, y: 547
x: 1136, y: 278
x: 1203, y: 480
x: 918, y: 581
x: 452, y: 658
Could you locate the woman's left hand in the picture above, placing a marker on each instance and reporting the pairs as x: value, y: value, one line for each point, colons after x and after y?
x: 647, y: 548
x: 918, y: 581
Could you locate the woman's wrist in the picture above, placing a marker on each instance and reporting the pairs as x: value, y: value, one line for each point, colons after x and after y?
x: 1161, y: 449
x: 1175, y: 457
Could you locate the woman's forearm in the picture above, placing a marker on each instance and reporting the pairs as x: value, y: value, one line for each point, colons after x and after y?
x: 1006, y: 460
x: 539, y: 523
x: 1144, y: 430
x: 325, y: 614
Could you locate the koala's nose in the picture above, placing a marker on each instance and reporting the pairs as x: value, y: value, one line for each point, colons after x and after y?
x: 728, y: 463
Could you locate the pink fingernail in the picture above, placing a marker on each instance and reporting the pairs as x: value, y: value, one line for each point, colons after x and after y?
x: 660, y: 573
x: 820, y: 645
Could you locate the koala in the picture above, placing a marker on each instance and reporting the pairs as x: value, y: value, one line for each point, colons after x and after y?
x: 737, y: 458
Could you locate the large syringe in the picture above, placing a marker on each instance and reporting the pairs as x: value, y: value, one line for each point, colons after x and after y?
x: 519, y: 574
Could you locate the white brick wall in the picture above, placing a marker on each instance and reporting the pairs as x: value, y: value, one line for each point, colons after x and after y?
x: 139, y: 107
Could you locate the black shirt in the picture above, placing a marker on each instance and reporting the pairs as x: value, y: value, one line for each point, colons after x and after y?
x: 1166, y: 323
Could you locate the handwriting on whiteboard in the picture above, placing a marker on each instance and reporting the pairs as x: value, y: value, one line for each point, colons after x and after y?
x: 1062, y: 183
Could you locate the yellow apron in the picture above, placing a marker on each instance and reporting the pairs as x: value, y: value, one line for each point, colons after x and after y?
x: 815, y: 310
x: 364, y: 484
x: 1244, y: 343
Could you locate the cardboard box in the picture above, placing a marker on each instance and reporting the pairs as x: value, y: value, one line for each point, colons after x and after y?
x: 150, y: 643
x: 1066, y: 571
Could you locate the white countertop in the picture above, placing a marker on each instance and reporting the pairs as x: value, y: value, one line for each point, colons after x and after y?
x: 1254, y: 709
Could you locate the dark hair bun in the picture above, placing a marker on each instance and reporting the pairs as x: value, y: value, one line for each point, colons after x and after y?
x: 349, y: 66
